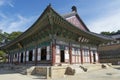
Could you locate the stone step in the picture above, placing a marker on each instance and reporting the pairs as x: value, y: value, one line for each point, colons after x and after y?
x: 92, y: 67
x: 30, y: 70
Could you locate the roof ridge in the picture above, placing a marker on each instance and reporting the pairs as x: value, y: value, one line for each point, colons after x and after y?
x: 68, y: 14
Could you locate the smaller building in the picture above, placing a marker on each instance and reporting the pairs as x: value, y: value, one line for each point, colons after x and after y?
x: 110, y: 52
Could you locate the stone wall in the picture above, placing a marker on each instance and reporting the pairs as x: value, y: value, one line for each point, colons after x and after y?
x: 41, y: 71
x: 57, y: 72
x: 50, y: 72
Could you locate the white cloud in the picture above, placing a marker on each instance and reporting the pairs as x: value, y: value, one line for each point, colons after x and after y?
x: 6, y: 2
x: 10, y: 23
x: 108, y: 19
x: 2, y: 15
x: 2, y: 2
x: 16, y: 23
x: 106, y: 23
x: 10, y: 4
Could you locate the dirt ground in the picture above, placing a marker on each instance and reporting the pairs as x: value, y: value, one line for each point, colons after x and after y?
x: 103, y: 74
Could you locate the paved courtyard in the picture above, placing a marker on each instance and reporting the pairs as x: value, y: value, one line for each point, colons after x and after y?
x: 103, y: 74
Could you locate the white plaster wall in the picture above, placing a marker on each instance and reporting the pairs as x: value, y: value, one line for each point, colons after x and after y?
x: 73, y: 57
x: 66, y: 53
x: 19, y: 57
x: 83, y: 56
x: 27, y: 55
x: 48, y: 52
x: 57, y: 49
x: 73, y: 51
x: 79, y: 55
x: 92, y: 56
x: 13, y: 57
x: 33, y: 57
x: 57, y: 59
x: 86, y: 58
x: 96, y: 55
x: 39, y: 54
x: 76, y: 56
x: 24, y: 56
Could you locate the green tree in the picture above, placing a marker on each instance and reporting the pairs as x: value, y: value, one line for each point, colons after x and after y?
x: 4, y: 37
x: 118, y: 32
x: 110, y: 33
x: 106, y: 33
x: 14, y: 35
x: 2, y: 56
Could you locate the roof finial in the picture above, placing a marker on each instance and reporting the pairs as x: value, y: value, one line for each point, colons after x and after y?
x: 74, y: 8
x: 49, y: 5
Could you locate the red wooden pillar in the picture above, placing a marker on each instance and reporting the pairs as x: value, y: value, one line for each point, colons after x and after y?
x: 70, y: 54
x: 36, y: 54
x: 53, y: 54
x: 75, y: 56
x: 75, y: 59
x: 81, y: 56
x: 90, y: 56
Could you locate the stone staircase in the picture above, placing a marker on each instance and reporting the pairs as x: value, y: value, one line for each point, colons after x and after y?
x: 60, y: 70
x: 22, y: 69
x: 77, y: 69
x: 85, y: 67
x: 92, y: 67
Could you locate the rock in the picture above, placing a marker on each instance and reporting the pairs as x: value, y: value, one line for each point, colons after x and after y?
x: 69, y: 71
x: 83, y: 68
x: 103, y: 66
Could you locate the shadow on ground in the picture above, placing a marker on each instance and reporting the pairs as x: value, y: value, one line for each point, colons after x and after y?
x: 116, y: 67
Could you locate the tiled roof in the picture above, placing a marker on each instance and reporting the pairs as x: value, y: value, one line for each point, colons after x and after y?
x: 117, y: 36
x: 73, y: 13
x: 102, y: 36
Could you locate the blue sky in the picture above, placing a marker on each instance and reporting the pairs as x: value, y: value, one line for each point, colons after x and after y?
x: 98, y: 15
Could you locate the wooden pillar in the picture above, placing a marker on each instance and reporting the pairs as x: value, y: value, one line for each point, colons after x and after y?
x: 18, y: 57
x: 25, y: 56
x: 8, y: 58
x: 81, y: 56
x: 53, y: 54
x: 75, y: 59
x: 36, y: 54
x: 12, y: 58
x: 70, y: 52
x: 90, y: 56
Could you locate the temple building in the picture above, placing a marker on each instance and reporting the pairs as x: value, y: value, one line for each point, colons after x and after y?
x: 110, y: 52
x: 56, y: 39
